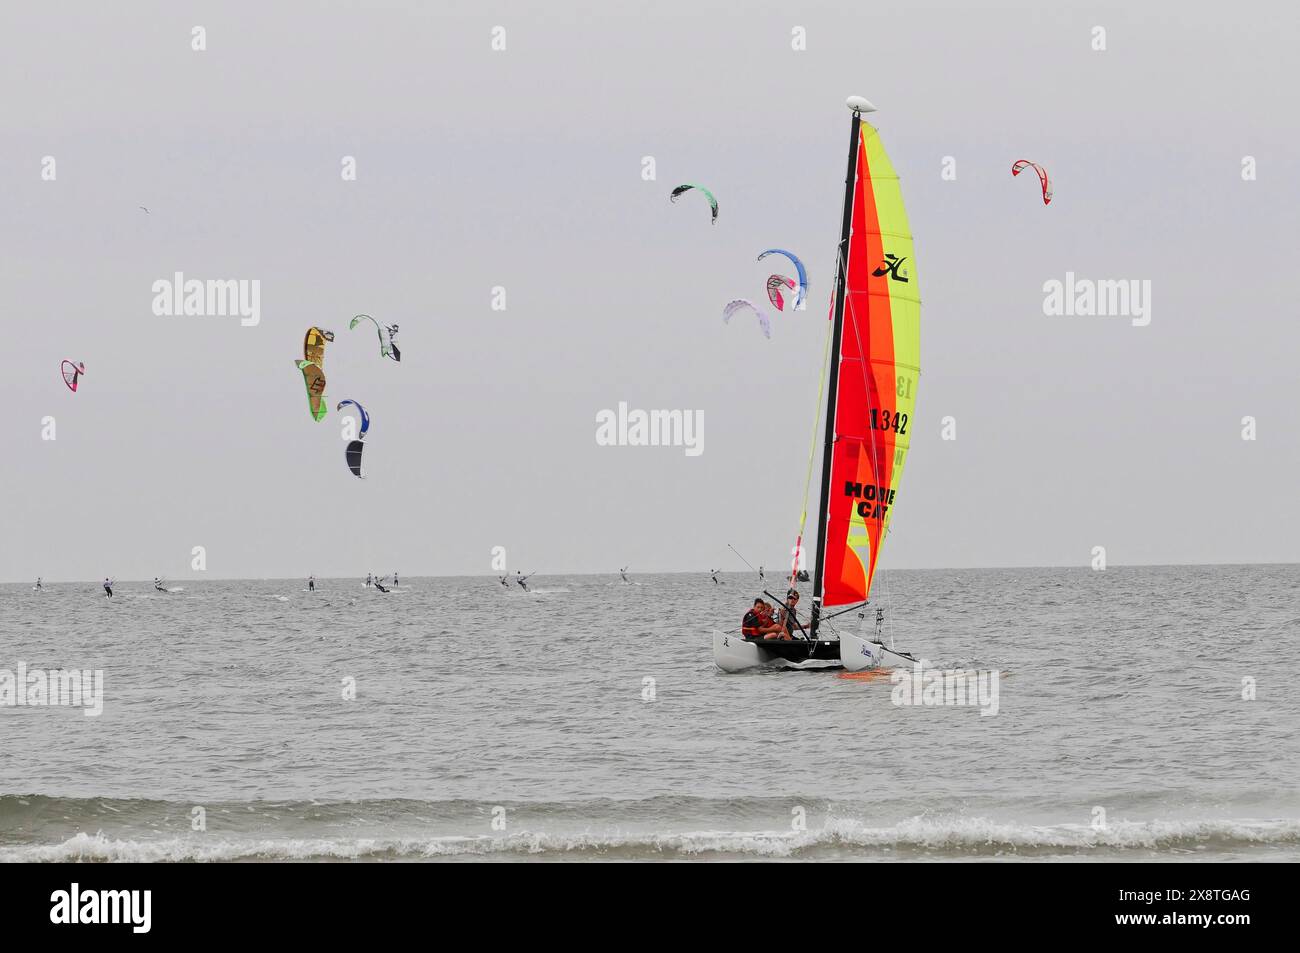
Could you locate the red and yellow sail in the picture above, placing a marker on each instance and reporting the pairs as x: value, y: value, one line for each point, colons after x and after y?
x: 879, y: 366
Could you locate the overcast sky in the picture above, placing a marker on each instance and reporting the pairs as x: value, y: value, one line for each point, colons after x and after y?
x: 522, y: 168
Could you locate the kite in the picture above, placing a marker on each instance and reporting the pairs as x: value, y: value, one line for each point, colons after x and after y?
x: 71, y: 373
x: 686, y: 188
x: 313, y: 370
x: 774, y: 283
x: 1021, y: 165
x: 734, y: 306
x: 798, y: 265
x: 387, y: 346
x: 353, y: 450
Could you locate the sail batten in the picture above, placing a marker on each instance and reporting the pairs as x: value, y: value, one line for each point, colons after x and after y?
x: 874, y: 375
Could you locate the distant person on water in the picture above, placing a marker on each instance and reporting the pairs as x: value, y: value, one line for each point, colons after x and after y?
x: 505, y: 581
x: 370, y: 579
x: 395, y: 582
x: 380, y: 586
x: 522, y: 580
x: 714, y: 574
x: 311, y: 583
x: 108, y: 587
x: 157, y: 584
x: 761, y: 577
x: 39, y: 587
x: 623, y: 572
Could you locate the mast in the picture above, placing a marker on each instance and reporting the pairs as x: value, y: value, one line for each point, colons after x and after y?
x: 858, y: 105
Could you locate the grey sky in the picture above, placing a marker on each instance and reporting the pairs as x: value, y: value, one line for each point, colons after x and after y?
x: 522, y: 169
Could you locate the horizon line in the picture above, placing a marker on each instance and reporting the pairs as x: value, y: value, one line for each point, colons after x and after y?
x: 674, y: 572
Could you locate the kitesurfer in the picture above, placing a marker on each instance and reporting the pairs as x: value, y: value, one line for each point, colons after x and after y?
x: 522, y: 580
x: 714, y: 574
x: 311, y: 583
x: 108, y: 587
x: 505, y: 581
x: 380, y: 586
x: 623, y: 572
x: 39, y: 587
x: 157, y: 584
x: 396, y: 584
x: 370, y: 579
x: 761, y: 578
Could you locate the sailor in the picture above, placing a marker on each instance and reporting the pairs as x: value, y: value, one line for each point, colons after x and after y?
x: 311, y: 583
x: 108, y: 587
x: 788, y: 618
x: 752, y: 625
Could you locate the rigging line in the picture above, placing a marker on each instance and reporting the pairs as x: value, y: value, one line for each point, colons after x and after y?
x: 812, y: 449
x: 860, y: 605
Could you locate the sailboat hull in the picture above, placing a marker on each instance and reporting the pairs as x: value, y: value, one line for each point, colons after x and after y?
x: 859, y: 655
x: 735, y: 653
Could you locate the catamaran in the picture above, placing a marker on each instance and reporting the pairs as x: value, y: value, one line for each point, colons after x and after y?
x: 870, y: 389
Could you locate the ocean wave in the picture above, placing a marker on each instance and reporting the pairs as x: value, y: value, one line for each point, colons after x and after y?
x: 944, y: 837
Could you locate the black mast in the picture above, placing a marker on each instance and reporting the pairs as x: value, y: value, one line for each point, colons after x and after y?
x: 841, y: 278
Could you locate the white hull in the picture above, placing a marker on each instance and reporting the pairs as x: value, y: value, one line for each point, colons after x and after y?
x: 860, y: 655
x: 732, y: 653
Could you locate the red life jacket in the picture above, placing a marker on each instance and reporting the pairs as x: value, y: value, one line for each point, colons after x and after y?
x: 749, y: 625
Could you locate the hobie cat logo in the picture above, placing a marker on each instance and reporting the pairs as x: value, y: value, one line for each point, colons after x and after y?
x: 892, y: 266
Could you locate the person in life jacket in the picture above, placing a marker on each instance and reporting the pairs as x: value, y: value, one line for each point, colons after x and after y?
x: 758, y: 622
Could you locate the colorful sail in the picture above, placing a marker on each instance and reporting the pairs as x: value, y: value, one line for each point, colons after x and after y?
x: 878, y: 367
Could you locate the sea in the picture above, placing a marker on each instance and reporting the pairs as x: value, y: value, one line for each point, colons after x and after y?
x: 1145, y: 713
